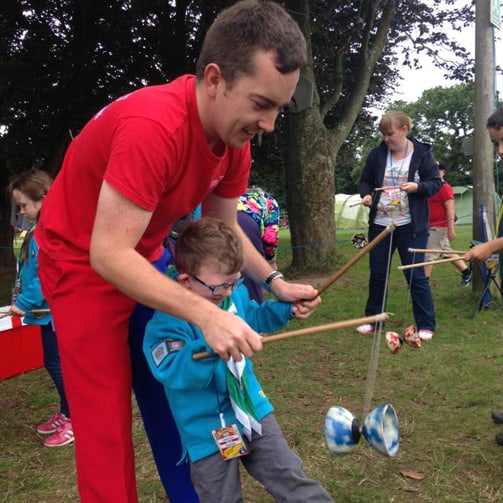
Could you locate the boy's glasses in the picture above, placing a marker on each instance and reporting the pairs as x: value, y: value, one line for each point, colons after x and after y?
x: 219, y: 289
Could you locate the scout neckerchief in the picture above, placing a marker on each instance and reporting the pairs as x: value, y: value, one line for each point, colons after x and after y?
x: 21, y: 258
x: 238, y: 387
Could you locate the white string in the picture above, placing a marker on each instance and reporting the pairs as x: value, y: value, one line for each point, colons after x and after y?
x: 376, y: 343
x: 409, y: 296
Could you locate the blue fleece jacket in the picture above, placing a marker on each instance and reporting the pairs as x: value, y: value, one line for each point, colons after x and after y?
x: 423, y: 170
x: 30, y: 296
x: 197, y: 390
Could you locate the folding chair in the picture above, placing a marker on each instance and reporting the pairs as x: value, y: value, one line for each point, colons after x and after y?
x: 490, y: 274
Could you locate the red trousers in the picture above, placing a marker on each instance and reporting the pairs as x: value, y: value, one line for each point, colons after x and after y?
x: 91, y: 321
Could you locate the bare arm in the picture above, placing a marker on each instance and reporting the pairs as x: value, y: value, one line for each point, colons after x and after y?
x: 449, y: 212
x: 484, y: 250
x: 118, y: 227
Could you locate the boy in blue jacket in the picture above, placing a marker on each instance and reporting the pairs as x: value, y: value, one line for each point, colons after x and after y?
x: 219, y: 407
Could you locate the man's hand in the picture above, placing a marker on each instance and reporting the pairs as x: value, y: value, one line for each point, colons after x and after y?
x: 228, y: 335
x: 305, y: 297
x: 480, y: 252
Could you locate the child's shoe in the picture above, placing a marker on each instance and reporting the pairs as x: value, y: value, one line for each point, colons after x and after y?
x: 466, y: 278
x: 426, y: 335
x: 52, y: 424
x: 63, y: 435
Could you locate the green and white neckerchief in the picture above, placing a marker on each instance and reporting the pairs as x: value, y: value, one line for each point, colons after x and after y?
x: 22, y: 257
x: 238, y: 387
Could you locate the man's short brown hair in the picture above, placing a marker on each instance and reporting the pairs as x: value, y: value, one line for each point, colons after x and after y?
x: 241, y: 30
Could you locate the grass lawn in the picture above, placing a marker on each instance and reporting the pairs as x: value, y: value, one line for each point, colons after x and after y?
x: 443, y: 394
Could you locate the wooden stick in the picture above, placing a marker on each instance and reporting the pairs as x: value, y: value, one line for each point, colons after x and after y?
x: 431, y: 262
x: 356, y: 204
x: 432, y: 250
x: 390, y: 228
x: 387, y: 187
x: 310, y: 330
x: 3, y: 314
x: 40, y: 311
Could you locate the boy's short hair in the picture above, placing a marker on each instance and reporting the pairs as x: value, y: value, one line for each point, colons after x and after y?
x: 208, y: 241
x: 495, y: 120
x: 241, y: 30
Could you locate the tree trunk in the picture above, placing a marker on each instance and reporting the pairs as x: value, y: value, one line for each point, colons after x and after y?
x: 310, y: 183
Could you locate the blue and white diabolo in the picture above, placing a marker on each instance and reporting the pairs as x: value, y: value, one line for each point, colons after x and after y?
x: 380, y: 429
x: 342, y: 431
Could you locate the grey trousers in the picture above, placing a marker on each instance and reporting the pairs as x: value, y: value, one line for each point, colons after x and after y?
x: 271, y: 462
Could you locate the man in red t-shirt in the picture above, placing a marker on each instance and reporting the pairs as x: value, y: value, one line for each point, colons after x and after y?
x: 137, y: 166
x: 442, y: 232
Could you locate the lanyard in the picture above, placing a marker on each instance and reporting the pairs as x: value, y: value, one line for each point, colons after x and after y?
x: 396, y: 172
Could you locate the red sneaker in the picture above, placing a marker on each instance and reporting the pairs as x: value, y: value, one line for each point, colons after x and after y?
x: 52, y: 424
x: 63, y: 435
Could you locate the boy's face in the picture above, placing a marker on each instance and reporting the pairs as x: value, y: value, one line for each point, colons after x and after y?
x: 211, y: 284
x: 496, y: 136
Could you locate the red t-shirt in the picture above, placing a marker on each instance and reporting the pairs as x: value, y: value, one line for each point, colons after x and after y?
x: 438, y: 213
x: 149, y: 146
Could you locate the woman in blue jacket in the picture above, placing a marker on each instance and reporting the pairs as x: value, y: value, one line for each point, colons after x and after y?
x: 28, y: 191
x: 397, y: 180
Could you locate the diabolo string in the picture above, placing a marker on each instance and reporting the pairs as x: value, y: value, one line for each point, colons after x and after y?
x: 376, y: 343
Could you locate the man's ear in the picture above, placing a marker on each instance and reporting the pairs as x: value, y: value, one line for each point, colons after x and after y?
x: 212, y: 78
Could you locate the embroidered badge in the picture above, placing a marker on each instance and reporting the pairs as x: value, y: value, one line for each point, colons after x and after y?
x: 164, y: 348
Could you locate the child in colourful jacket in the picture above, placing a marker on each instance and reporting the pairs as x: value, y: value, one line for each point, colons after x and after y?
x: 219, y: 407
x: 28, y: 191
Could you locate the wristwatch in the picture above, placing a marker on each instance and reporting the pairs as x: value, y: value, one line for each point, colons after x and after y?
x: 273, y: 276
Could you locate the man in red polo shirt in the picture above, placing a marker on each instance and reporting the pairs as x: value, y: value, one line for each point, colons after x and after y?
x: 140, y: 164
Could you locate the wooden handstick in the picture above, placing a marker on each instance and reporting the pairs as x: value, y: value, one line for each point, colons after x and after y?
x: 387, y: 187
x: 356, y: 204
x: 310, y: 330
x: 431, y: 262
x: 40, y: 311
x: 390, y: 228
x: 3, y: 314
x: 431, y: 250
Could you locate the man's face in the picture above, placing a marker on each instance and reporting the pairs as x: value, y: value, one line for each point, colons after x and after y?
x: 252, y: 104
x: 496, y: 136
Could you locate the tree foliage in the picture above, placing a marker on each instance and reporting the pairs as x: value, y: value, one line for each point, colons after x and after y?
x: 444, y: 118
x: 354, y: 49
x: 61, y: 61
